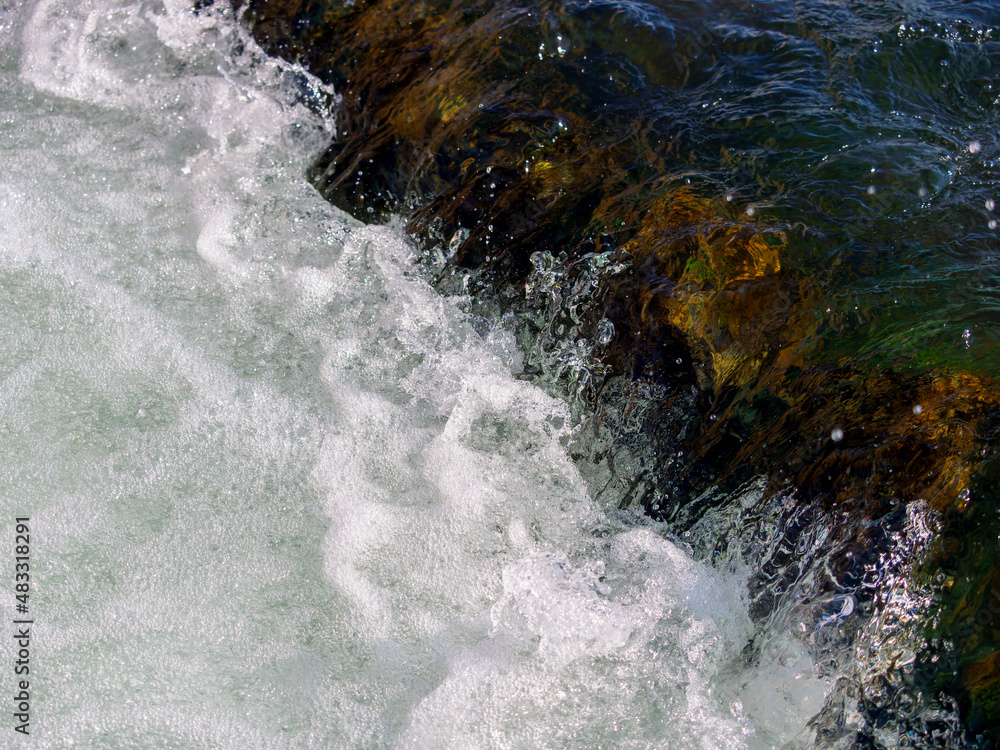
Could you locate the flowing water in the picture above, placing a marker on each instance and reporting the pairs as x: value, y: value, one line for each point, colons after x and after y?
x: 282, y: 492
x: 758, y: 241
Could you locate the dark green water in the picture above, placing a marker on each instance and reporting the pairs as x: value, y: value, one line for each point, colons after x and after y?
x: 864, y: 131
x: 874, y: 125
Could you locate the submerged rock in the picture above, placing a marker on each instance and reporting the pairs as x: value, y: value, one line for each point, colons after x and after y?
x: 591, y: 168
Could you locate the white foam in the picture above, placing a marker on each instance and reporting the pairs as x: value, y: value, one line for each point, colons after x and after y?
x: 463, y: 535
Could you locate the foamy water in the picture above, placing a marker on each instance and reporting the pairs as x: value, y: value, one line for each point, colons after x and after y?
x: 283, y: 493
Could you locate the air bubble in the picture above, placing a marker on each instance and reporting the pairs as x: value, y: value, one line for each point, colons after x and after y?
x: 605, y: 332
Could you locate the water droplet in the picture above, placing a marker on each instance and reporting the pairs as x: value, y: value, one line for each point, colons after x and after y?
x: 871, y: 190
x: 751, y: 210
x: 605, y: 332
x: 837, y: 435
x: 975, y: 147
x: 918, y: 409
x: 990, y: 205
x: 922, y: 192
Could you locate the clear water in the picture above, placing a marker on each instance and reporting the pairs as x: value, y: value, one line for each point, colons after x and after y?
x: 282, y: 493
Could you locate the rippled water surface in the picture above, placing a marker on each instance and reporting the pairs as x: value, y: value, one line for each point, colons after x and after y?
x: 865, y: 133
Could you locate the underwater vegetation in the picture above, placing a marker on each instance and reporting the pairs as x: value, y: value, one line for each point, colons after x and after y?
x: 755, y: 244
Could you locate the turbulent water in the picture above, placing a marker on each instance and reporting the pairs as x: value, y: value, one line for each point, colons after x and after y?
x: 282, y: 493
